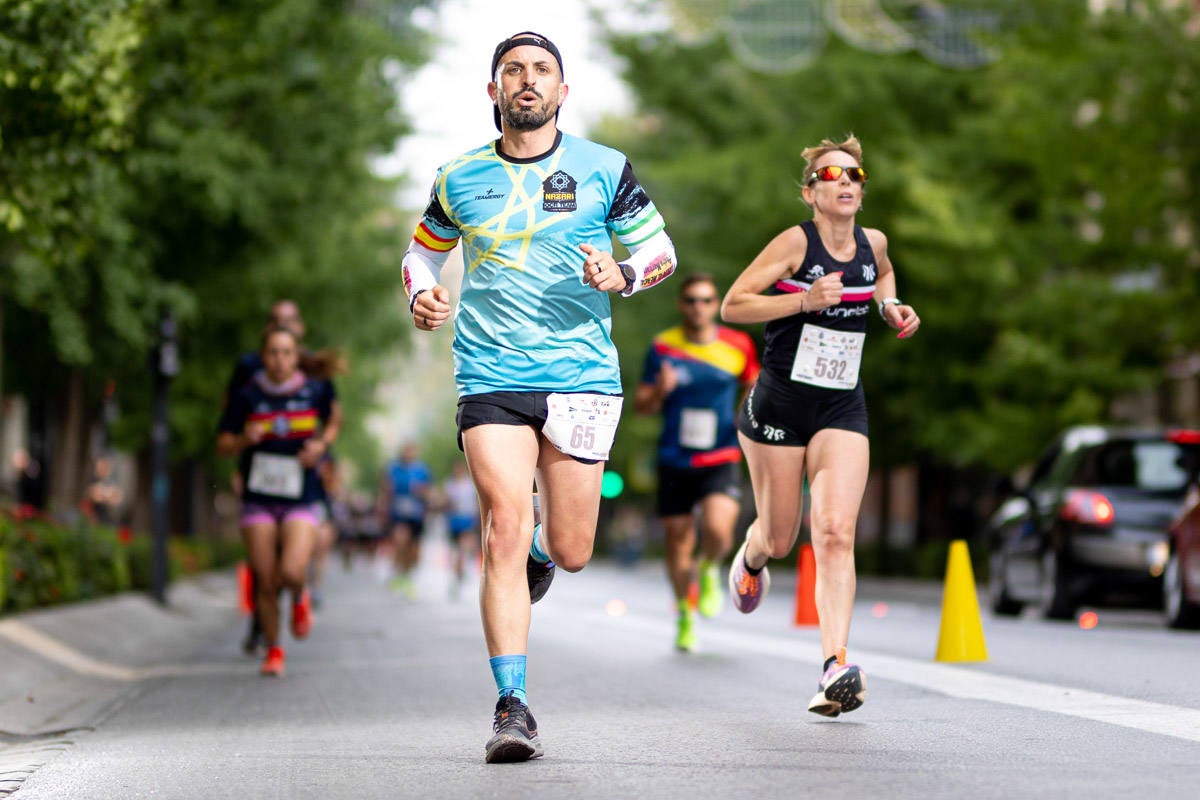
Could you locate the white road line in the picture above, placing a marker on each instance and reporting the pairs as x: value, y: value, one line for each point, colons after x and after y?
x: 52, y: 649
x: 953, y: 681
x: 962, y: 682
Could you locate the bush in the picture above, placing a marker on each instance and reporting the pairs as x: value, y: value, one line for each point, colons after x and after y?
x: 43, y: 562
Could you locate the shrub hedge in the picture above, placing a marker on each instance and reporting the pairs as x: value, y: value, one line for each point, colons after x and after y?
x: 44, y: 562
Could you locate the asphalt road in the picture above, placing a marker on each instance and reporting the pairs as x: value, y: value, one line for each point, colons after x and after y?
x: 392, y: 698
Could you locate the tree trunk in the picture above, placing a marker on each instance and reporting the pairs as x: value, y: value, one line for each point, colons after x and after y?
x: 70, y: 459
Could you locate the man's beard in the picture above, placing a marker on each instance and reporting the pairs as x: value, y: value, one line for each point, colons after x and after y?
x: 527, y: 118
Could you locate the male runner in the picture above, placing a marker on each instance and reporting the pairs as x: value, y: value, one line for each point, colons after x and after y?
x: 692, y: 375
x: 538, y: 382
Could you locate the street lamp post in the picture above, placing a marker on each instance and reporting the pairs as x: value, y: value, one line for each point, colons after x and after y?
x: 166, y: 365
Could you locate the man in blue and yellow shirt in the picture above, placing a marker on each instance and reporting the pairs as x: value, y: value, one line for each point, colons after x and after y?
x: 538, y: 382
x: 693, y: 376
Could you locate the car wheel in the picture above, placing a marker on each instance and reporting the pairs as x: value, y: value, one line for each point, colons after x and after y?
x: 1180, y: 612
x: 1058, y: 595
x: 1002, y: 602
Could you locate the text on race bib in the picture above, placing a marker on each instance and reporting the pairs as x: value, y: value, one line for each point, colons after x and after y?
x: 276, y: 476
x: 828, y: 358
x: 582, y: 425
x: 698, y: 428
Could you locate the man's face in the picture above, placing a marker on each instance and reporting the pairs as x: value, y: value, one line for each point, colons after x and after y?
x: 287, y: 315
x: 699, y: 304
x: 528, y: 88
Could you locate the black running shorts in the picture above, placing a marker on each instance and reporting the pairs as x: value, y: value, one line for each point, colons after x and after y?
x: 789, y: 417
x: 679, y: 490
x: 505, y: 408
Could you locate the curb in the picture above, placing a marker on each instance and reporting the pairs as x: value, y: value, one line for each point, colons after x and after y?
x: 67, y: 667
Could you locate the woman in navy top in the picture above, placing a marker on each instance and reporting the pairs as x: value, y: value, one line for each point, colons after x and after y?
x: 814, y: 285
x: 277, y: 425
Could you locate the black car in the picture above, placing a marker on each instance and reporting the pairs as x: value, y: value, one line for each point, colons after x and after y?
x: 1091, y: 526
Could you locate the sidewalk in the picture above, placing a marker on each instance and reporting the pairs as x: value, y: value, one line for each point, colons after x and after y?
x: 64, y: 668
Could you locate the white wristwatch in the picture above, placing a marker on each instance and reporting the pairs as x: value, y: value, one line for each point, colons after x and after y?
x: 887, y: 301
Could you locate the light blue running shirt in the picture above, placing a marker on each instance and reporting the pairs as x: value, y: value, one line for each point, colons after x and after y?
x: 526, y: 321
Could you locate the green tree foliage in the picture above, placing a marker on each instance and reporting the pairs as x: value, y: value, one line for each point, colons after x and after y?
x: 67, y: 252
x: 254, y: 168
x: 1040, y: 211
x: 209, y: 157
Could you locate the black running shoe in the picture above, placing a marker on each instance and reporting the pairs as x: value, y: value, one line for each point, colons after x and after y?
x: 539, y: 577
x: 254, y: 641
x: 515, y: 738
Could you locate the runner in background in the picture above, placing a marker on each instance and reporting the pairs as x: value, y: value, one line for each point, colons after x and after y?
x: 692, y: 376
x: 403, y: 503
x: 327, y: 531
x: 286, y: 314
x: 279, y: 426
x: 461, y: 505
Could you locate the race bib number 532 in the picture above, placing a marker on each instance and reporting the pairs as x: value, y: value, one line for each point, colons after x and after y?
x: 828, y: 358
x: 582, y: 425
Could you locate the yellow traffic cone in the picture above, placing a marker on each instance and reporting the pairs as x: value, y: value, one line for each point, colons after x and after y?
x: 961, y: 636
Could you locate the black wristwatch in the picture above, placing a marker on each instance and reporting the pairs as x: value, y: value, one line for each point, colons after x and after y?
x: 629, y: 274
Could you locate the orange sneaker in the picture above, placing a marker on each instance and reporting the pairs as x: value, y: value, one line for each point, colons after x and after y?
x: 746, y: 590
x: 273, y: 664
x: 302, y: 616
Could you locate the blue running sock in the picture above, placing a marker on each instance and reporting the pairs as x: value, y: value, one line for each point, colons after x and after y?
x: 509, y: 672
x: 537, y: 549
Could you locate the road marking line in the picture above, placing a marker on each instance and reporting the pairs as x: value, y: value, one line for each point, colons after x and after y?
x: 52, y: 649
x: 962, y: 682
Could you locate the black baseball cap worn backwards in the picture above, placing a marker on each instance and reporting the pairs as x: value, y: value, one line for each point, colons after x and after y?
x: 517, y: 40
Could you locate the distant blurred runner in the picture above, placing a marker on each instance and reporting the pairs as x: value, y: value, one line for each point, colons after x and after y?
x: 403, y: 504
x: 280, y: 425
x: 462, y: 518
x: 692, y: 375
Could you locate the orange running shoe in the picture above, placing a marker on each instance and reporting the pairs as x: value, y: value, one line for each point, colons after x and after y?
x: 272, y: 665
x: 746, y: 590
x: 302, y: 616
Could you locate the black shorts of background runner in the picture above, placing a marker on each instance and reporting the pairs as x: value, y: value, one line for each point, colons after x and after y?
x: 416, y: 525
x: 781, y: 415
x: 679, y: 490
x: 505, y: 408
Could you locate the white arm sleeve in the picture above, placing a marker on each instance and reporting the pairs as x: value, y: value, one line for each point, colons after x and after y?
x: 650, y: 262
x: 422, y: 270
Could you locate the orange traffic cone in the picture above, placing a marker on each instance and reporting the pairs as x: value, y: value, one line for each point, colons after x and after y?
x: 806, y: 588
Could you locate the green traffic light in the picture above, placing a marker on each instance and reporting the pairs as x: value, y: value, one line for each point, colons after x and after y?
x: 611, y: 485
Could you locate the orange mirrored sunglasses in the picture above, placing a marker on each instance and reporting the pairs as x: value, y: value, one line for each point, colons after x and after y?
x: 832, y: 173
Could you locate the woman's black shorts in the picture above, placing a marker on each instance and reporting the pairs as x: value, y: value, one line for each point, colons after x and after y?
x: 790, y: 417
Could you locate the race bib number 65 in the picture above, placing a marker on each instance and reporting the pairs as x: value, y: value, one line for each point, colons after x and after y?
x: 582, y: 425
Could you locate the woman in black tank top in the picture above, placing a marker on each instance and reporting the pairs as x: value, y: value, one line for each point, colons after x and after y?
x: 814, y: 285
